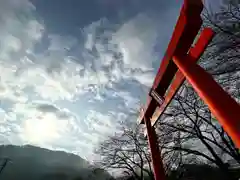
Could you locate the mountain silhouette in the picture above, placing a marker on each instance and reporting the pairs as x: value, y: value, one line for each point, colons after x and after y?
x: 34, y: 163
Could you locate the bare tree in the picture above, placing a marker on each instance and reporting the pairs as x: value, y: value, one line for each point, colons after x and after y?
x: 188, y: 132
x: 127, y: 151
x: 222, y: 56
x: 188, y: 124
x: 4, y: 164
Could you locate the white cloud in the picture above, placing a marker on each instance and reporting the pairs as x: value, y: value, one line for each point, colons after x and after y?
x: 46, y: 91
x: 44, y: 124
x: 2, y: 119
x: 41, y: 126
x: 136, y: 39
x: 129, y: 101
x: 101, y: 123
x: 17, y: 34
x: 54, y: 76
x: 62, y: 85
x: 145, y: 78
x: 124, y: 50
x: 24, y: 79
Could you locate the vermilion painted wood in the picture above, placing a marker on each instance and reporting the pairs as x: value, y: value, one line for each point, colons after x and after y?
x: 196, y: 52
x: 186, y: 29
x: 158, y: 169
x: 222, y: 105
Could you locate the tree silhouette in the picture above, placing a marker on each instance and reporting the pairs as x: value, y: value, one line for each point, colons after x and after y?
x: 5, y: 161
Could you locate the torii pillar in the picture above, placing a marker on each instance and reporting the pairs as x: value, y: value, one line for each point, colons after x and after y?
x: 178, y: 64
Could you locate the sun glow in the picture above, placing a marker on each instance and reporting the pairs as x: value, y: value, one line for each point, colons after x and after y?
x: 44, y: 129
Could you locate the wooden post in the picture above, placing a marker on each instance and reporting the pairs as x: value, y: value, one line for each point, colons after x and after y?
x: 158, y: 169
x: 222, y: 105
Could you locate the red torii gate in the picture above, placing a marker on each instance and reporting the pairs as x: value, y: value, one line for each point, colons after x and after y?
x: 179, y: 63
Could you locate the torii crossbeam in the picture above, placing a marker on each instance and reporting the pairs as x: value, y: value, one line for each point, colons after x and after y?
x: 178, y: 64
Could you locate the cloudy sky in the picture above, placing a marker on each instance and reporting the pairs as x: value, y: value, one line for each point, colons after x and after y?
x: 70, y: 69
